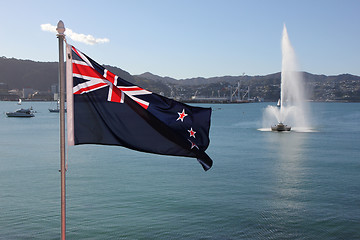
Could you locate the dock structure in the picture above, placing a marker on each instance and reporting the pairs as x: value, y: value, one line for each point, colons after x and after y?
x: 236, y: 95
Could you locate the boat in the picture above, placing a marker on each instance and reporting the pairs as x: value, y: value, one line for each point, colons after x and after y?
x: 21, y: 113
x: 55, y: 110
x: 19, y: 102
x: 278, y: 103
x: 280, y: 127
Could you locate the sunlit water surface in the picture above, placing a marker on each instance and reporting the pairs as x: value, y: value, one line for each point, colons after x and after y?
x: 263, y: 185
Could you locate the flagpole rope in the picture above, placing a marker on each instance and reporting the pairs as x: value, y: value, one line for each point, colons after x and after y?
x: 67, y: 146
x: 67, y: 158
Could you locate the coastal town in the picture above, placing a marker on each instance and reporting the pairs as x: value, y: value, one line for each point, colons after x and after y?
x: 242, y: 89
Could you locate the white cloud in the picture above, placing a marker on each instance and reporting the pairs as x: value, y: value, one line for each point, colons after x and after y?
x: 48, y: 28
x: 77, y: 37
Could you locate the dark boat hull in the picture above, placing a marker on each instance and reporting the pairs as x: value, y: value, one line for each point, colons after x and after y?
x: 280, y: 127
x: 55, y: 110
x: 22, y: 113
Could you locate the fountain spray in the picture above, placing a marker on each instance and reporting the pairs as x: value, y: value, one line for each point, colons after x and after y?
x: 293, y: 109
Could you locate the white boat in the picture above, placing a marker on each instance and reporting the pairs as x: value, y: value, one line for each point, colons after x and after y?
x: 21, y: 113
x: 19, y: 102
x: 278, y: 103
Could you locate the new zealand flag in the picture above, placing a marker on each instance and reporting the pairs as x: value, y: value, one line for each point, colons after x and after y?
x: 103, y: 108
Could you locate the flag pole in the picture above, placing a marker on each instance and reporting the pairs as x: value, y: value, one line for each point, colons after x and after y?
x: 61, y: 36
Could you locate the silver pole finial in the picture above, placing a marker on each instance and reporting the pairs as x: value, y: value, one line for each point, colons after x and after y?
x: 60, y: 28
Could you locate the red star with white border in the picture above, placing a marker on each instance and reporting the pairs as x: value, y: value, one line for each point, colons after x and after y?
x: 192, y: 132
x: 182, y: 115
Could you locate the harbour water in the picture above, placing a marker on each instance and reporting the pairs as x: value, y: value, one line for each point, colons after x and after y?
x: 263, y: 185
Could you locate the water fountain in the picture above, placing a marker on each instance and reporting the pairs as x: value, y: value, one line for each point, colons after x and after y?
x: 293, y: 109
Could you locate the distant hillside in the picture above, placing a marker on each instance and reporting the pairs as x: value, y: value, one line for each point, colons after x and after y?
x: 343, y: 87
x: 19, y: 74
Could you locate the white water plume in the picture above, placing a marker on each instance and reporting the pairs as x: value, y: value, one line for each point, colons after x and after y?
x: 294, y: 108
x: 77, y: 37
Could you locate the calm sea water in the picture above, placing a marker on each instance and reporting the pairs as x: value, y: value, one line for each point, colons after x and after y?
x: 263, y: 185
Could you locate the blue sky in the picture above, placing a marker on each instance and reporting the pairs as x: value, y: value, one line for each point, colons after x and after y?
x: 191, y: 38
